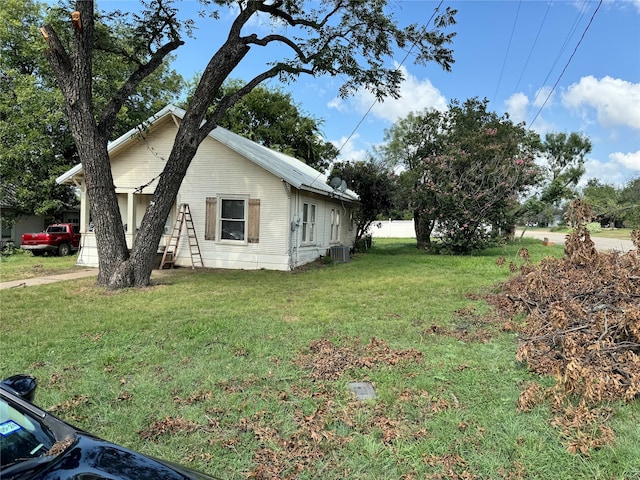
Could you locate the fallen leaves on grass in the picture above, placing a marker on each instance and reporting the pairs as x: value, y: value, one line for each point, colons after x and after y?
x: 471, y: 325
x: 583, y: 427
x: 68, y: 407
x: 195, y: 397
x: 327, y: 361
x: 124, y: 396
x: 319, y: 419
x: 332, y: 424
x: 453, y: 466
x: 169, y: 426
x: 532, y: 396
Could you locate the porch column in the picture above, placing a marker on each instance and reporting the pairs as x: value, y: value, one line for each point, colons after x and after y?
x: 84, y: 210
x: 131, y: 218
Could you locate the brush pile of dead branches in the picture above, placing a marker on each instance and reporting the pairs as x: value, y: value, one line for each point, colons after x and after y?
x: 583, y: 316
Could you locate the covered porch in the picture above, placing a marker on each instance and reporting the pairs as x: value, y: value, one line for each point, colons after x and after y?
x: 132, y: 204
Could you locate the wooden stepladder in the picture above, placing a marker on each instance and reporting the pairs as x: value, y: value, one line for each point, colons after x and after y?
x: 171, y: 250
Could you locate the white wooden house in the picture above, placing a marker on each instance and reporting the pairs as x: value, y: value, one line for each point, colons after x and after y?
x: 252, y: 207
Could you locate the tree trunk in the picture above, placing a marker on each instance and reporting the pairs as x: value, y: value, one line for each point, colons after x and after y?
x: 74, y: 75
x: 190, y: 134
x: 152, y: 226
x: 105, y: 212
x: 423, y: 227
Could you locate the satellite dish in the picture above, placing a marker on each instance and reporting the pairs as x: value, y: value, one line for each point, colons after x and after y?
x: 343, y: 186
x: 335, y: 182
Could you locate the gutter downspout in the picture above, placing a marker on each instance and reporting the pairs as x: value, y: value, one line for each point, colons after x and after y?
x: 291, y: 249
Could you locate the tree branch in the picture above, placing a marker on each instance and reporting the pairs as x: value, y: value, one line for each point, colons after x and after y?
x: 228, y: 101
x: 110, y: 112
x: 56, y: 54
x: 274, y: 9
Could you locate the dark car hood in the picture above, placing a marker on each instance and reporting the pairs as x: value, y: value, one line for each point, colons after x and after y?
x: 91, y: 458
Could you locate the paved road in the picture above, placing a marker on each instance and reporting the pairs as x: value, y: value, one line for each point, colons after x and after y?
x: 602, y: 244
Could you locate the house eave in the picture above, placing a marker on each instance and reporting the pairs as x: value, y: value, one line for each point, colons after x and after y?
x: 69, y: 177
x: 289, y: 169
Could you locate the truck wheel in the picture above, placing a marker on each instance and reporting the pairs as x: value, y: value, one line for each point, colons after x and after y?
x: 64, y: 249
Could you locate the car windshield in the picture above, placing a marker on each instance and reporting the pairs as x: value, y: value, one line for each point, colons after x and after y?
x: 22, y: 436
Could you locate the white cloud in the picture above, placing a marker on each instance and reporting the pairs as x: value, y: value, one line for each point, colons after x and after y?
x: 520, y: 109
x: 337, y: 103
x: 619, y: 169
x: 517, y: 105
x: 614, y: 100
x: 348, y: 150
x: 541, y: 97
x: 415, y: 96
x: 623, y: 3
x: 627, y: 160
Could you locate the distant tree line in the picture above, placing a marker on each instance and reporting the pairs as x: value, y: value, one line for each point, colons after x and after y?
x: 614, y: 207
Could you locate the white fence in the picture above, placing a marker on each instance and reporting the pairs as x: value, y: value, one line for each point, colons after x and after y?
x: 393, y: 229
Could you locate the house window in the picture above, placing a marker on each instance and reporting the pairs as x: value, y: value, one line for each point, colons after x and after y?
x: 308, y: 223
x: 232, y: 219
x: 335, y: 225
x: 6, y: 231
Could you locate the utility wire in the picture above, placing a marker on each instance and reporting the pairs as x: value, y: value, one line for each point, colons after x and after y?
x: 535, y: 42
x: 568, y: 62
x: 373, y: 104
x: 572, y: 30
x: 506, y: 55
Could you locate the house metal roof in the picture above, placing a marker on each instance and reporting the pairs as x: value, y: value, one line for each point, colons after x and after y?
x: 289, y: 169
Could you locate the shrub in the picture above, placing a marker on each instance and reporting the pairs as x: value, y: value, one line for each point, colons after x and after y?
x: 594, y: 227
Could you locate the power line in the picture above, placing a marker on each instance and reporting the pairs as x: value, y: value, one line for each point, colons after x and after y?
x: 533, y: 46
x: 570, y: 33
x: 376, y: 100
x: 567, y: 64
x: 506, y: 55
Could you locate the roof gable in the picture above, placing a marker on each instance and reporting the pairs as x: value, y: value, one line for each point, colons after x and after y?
x: 289, y: 169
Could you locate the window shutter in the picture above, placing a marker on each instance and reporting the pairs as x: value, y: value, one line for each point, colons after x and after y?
x: 253, y: 235
x: 210, y: 219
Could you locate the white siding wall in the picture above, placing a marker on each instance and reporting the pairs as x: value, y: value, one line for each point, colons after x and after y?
x: 88, y: 253
x: 214, y: 172
x: 140, y: 161
x: 305, y: 253
x: 218, y: 171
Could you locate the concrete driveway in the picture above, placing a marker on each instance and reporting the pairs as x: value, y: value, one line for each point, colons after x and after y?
x: 28, y: 282
x: 602, y: 244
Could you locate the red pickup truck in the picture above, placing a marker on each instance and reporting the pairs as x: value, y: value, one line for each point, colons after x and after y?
x: 61, y: 238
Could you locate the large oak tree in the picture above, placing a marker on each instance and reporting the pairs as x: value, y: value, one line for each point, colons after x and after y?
x: 36, y: 145
x: 352, y: 39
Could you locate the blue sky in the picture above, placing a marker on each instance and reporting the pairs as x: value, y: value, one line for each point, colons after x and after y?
x: 581, y: 59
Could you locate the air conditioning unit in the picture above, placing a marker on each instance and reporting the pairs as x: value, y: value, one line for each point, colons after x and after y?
x: 339, y: 254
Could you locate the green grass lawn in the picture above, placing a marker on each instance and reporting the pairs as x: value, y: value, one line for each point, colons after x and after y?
x: 22, y: 265
x: 245, y: 373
